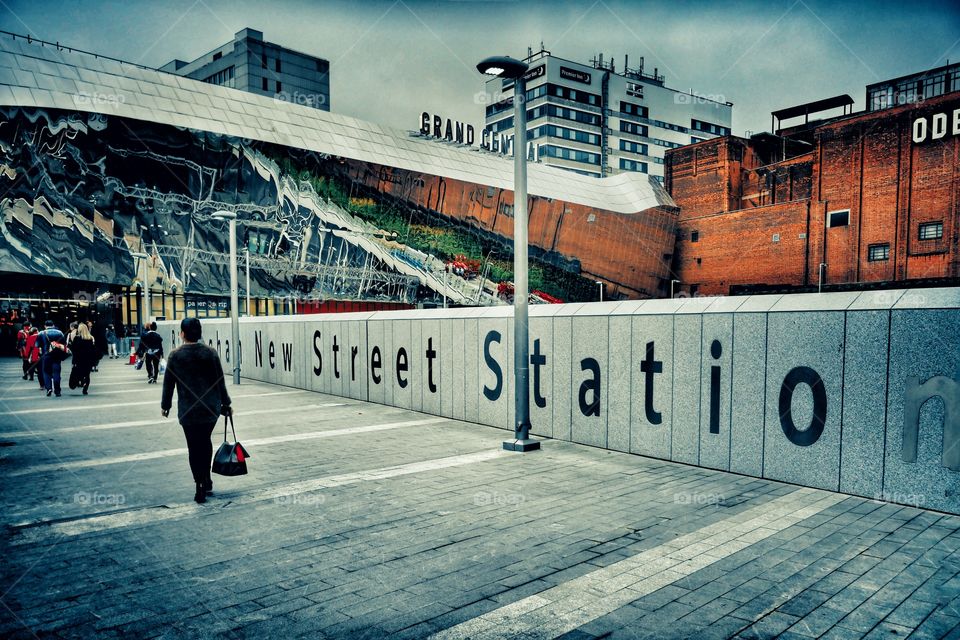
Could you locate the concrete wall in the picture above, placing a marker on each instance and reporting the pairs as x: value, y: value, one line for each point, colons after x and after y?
x: 817, y: 390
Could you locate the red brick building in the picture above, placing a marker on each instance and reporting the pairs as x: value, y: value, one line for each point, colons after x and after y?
x: 873, y: 196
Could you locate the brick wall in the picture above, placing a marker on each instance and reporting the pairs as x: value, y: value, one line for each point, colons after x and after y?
x: 866, y: 164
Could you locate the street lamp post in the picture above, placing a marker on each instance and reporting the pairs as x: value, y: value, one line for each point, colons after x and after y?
x: 145, y: 312
x: 508, y: 68
x: 673, y: 282
x: 234, y: 293
x: 247, y: 252
x: 823, y: 266
x: 600, y: 284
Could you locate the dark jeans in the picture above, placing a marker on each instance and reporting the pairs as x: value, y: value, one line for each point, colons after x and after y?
x: 153, y: 365
x: 51, y: 374
x: 26, y: 368
x: 200, y: 449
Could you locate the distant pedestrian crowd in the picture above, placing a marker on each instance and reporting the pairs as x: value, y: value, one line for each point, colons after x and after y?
x: 45, y: 351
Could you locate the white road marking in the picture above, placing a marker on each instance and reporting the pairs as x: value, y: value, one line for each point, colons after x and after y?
x: 144, y: 423
x: 279, y: 493
x: 249, y: 444
x: 574, y: 603
x: 69, y: 393
x: 79, y: 407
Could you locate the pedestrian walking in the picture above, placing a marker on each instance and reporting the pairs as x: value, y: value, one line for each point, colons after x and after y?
x: 32, y: 349
x: 194, y: 370
x: 112, y: 341
x: 53, y: 351
x: 71, y: 334
x: 151, y: 350
x: 85, y: 357
x: 22, y: 337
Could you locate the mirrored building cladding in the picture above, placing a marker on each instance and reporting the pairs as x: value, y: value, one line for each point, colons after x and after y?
x: 103, y: 159
x: 598, y: 120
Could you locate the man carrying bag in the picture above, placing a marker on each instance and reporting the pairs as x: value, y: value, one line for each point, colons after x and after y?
x: 195, y: 370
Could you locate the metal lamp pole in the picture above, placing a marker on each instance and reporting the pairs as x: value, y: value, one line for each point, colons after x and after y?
x: 247, y: 252
x: 509, y: 68
x: 673, y: 282
x: 234, y: 292
x: 145, y: 311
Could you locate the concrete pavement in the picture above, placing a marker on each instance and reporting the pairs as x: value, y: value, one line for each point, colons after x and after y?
x: 360, y: 520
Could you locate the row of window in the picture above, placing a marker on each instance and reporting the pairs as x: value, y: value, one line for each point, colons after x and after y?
x: 911, y: 90
x: 709, y: 127
x: 265, y: 85
x: 555, y: 90
x: 926, y: 230
x: 875, y: 252
x: 633, y: 109
x: 223, y: 78
x: 552, y: 130
x: 633, y: 165
x: 634, y: 147
x: 575, y: 155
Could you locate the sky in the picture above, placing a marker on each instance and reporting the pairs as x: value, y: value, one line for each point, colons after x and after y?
x: 393, y: 59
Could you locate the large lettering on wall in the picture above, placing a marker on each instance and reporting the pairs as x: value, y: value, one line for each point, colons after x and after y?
x: 732, y: 401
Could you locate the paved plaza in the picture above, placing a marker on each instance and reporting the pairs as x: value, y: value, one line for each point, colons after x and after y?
x: 364, y: 521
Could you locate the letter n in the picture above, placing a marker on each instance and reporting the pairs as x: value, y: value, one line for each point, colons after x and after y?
x: 914, y: 396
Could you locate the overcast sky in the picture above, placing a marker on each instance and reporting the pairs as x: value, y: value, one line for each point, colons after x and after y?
x: 392, y: 59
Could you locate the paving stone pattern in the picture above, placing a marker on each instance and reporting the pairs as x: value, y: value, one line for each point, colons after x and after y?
x: 365, y: 521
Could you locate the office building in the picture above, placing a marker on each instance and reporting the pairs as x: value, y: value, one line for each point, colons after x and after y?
x: 600, y: 121
x: 251, y: 64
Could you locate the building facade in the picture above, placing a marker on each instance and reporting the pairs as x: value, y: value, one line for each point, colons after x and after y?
x: 598, y: 121
x: 251, y: 64
x: 866, y: 199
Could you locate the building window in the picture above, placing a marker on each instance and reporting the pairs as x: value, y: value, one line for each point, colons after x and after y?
x: 838, y: 218
x: 931, y: 231
x: 217, y: 55
x: 264, y: 84
x: 695, y: 139
x: 223, y: 78
x: 633, y: 109
x: 263, y: 61
x: 575, y: 155
x: 878, y: 252
x: 709, y: 127
x: 635, y: 89
x: 278, y: 86
x: 634, y: 147
x: 633, y: 165
x: 694, y: 236
x: 632, y: 127
x: 933, y: 86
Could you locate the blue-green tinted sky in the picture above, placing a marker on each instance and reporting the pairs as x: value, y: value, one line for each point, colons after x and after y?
x: 390, y: 60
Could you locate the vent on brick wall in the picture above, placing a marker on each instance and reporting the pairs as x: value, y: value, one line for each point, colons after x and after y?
x: 802, y: 236
x: 776, y: 237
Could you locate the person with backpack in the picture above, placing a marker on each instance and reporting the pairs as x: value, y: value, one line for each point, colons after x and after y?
x: 53, y: 351
x: 194, y: 370
x: 85, y: 356
x: 151, y: 350
x: 22, y: 336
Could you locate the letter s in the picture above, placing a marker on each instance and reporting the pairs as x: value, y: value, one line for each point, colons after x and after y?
x: 492, y: 394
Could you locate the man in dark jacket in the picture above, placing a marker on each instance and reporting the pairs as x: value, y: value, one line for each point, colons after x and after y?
x: 151, y: 350
x: 195, y: 370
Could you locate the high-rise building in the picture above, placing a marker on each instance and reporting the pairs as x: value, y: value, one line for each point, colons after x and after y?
x: 251, y: 64
x: 596, y: 120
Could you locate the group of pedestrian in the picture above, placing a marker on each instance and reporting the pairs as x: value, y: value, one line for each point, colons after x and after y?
x: 43, y: 353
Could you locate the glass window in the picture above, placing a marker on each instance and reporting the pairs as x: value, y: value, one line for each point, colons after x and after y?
x: 634, y: 128
x: 633, y: 147
x: 264, y: 85
x: 633, y: 165
x: 838, y: 218
x: 931, y: 231
x: 878, y: 252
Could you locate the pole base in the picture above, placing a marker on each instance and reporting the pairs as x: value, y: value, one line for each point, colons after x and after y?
x: 521, y: 446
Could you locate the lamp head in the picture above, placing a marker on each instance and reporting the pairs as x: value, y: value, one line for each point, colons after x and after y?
x: 503, y: 67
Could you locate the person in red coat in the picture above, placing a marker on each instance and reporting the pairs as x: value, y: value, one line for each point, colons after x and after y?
x: 31, y: 355
x: 22, y: 336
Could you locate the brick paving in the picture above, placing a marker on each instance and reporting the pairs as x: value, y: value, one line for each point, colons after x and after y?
x: 364, y: 521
